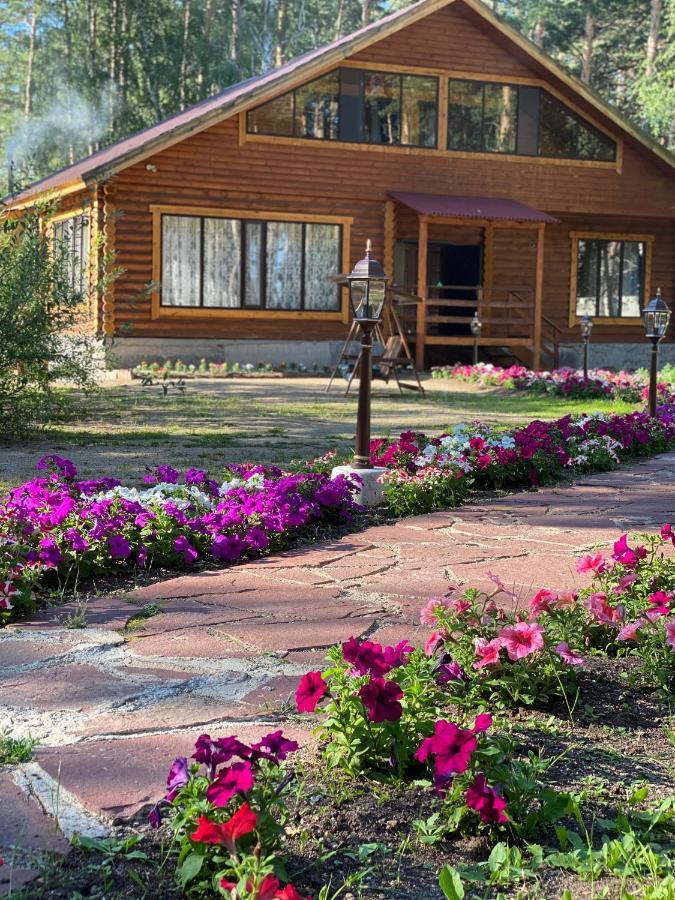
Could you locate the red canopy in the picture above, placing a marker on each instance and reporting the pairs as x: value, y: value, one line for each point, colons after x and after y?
x: 491, y: 208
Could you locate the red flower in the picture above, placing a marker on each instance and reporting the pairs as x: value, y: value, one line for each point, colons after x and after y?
x: 228, y: 833
x: 270, y: 889
x: 542, y: 602
x: 381, y: 699
x: 311, y: 689
x: 451, y: 746
x: 237, y: 778
x: 485, y: 800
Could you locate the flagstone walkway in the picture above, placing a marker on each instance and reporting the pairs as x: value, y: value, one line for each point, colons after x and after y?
x: 222, y: 651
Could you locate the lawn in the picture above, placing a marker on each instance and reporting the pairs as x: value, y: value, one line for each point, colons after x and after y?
x: 126, y: 427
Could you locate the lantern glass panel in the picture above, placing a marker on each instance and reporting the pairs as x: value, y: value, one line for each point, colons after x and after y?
x: 376, y: 299
x: 358, y: 293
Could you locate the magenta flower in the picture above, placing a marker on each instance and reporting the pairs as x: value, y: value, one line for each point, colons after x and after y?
x: 118, y: 547
x: 311, y: 689
x: 592, y: 562
x: 667, y: 533
x: 50, y: 555
x: 58, y: 464
x: 624, y: 582
x: 670, y: 633
x: 487, y: 652
x: 381, y: 698
x: 486, y: 801
x: 660, y: 605
x: 522, y: 639
x: 227, y: 547
x: 274, y: 746
x: 184, y: 547
x: 366, y: 657
x: 543, y: 602
x: 235, y: 779
x: 214, y: 752
x: 451, y: 747
x: 624, y: 555
x: 567, y: 655
x: 450, y: 671
x: 482, y: 723
x: 178, y: 777
x: 398, y: 655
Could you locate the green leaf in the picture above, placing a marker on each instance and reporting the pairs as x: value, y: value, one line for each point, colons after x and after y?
x: 450, y: 883
x: 498, y: 857
x: 191, y: 868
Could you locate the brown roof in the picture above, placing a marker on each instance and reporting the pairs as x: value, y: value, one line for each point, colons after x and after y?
x: 260, y: 88
x: 490, y: 208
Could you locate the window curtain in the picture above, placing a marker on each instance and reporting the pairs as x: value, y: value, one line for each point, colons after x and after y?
x: 322, y: 261
x: 222, y: 263
x: 181, y: 239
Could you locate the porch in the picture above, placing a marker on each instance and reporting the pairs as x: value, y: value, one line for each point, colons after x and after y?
x: 466, y: 255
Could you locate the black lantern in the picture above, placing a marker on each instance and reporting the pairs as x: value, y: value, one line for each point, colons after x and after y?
x: 586, y: 326
x: 367, y: 288
x: 656, y: 315
x: 475, y: 326
x: 367, y: 292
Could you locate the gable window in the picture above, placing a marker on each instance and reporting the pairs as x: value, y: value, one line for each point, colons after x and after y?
x: 354, y: 105
x: 226, y: 263
x: 489, y: 117
x: 71, y: 242
x: 610, y: 277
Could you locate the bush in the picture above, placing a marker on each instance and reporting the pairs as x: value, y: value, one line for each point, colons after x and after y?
x: 38, y: 308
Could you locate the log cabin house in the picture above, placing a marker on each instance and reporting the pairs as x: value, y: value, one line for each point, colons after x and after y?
x: 487, y: 178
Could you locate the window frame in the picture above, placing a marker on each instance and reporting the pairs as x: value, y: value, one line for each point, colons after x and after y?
x: 85, y: 270
x: 441, y: 148
x: 575, y: 236
x: 244, y: 311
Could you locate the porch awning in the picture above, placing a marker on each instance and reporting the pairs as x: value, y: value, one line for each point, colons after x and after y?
x: 493, y: 209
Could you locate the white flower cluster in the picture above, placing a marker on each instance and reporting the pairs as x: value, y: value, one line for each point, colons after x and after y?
x: 452, y: 448
x: 588, y: 448
x: 181, y: 495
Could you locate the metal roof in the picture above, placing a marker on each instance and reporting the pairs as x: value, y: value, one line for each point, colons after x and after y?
x: 491, y: 208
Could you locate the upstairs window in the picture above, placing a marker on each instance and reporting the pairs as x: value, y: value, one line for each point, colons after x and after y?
x: 71, y: 242
x: 220, y: 263
x: 610, y: 278
x: 355, y: 105
x: 488, y: 117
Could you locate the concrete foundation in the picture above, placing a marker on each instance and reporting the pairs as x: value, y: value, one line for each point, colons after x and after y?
x: 370, y: 492
x: 615, y: 356
x: 127, y: 352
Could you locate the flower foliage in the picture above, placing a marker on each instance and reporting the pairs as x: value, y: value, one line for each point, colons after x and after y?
x: 229, y: 817
x: 424, y: 473
x: 56, y: 526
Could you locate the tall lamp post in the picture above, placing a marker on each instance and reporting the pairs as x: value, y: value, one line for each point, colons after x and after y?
x: 367, y: 289
x: 475, y: 326
x: 656, y: 316
x: 586, y: 326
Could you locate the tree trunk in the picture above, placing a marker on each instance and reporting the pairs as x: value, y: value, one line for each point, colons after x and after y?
x: 206, y: 50
x: 112, y: 60
x: 653, y: 36
x: 235, y: 7
x: 539, y: 32
x: 587, y: 53
x: 67, y: 57
x: 182, y: 75
x: 281, y: 31
x: 339, y: 19
x: 28, y: 91
x: 366, y: 9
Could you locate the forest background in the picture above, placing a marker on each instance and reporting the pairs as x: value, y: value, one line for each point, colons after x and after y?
x: 76, y: 75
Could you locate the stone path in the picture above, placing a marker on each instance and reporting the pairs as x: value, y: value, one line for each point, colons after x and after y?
x: 111, y: 704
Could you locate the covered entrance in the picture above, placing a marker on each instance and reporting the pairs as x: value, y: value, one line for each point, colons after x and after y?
x: 466, y: 255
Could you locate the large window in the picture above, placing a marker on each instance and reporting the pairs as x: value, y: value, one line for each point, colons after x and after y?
x: 610, y: 279
x: 71, y: 242
x: 221, y: 263
x: 492, y: 117
x: 354, y: 105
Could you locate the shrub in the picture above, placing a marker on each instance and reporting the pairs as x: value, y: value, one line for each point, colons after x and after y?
x: 39, y: 311
x: 229, y: 817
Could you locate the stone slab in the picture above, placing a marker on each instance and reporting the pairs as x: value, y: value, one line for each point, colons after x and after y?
x: 72, y: 687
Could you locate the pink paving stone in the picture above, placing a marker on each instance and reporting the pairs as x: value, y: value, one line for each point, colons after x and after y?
x: 404, y: 583
x: 150, y: 675
x: 224, y: 583
x: 24, y: 824
x: 316, y: 555
x: 77, y: 687
x: 21, y: 652
x: 189, y: 643
x: 390, y: 635
x: 187, y: 614
x: 117, y: 779
x: 300, y: 635
x: 12, y: 878
x: 275, y: 692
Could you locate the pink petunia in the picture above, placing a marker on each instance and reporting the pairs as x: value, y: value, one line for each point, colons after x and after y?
x: 623, y: 554
x: 482, y: 723
x: 235, y: 779
x: 430, y: 610
x: 522, y: 639
x: 660, y: 605
x: 667, y: 533
x: 567, y: 655
x: 543, y: 602
x: 434, y: 641
x: 670, y: 633
x: 488, y: 652
x: 495, y: 579
x: 625, y: 582
x: 486, y: 801
x: 630, y: 630
x: 592, y: 562
x: 311, y: 689
x: 451, y: 747
x: 603, y: 611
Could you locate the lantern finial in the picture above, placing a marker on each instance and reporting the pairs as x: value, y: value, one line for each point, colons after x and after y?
x: 369, y: 247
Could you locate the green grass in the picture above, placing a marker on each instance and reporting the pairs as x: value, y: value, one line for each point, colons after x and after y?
x: 15, y: 750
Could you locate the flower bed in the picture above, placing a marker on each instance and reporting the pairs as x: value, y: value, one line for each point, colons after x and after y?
x: 628, y: 386
x: 426, y: 473
x: 178, y: 369
x: 56, y: 528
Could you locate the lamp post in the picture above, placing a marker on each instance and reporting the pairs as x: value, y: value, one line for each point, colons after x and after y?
x: 367, y: 288
x: 586, y: 326
x: 656, y: 316
x: 475, y: 326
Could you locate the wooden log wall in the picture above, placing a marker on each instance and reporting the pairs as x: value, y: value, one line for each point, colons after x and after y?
x: 217, y: 168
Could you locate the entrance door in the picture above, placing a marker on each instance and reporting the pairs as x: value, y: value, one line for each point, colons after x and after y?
x: 454, y: 277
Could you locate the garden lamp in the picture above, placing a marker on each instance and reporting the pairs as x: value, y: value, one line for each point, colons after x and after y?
x: 367, y: 289
x: 656, y: 315
x: 475, y: 326
x: 586, y: 326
